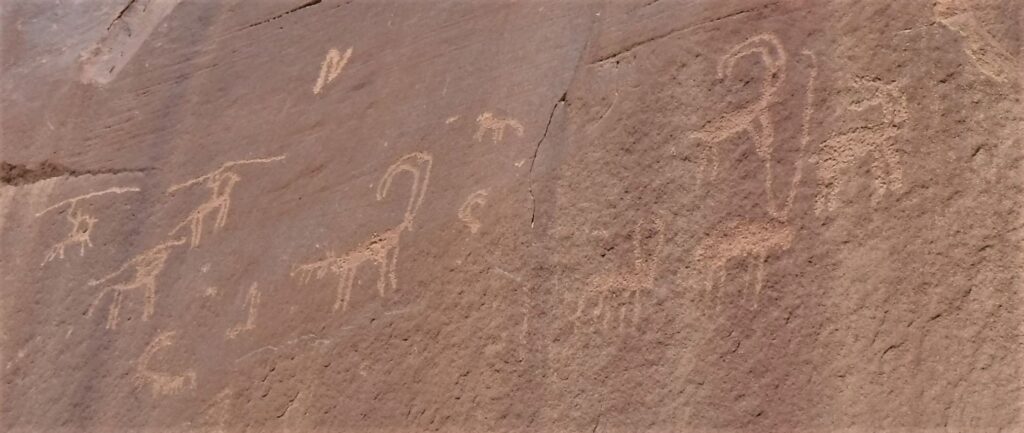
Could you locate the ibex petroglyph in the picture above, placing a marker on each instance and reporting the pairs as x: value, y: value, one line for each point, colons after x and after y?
x: 382, y: 248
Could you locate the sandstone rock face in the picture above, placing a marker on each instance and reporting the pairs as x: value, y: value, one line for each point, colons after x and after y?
x: 535, y: 216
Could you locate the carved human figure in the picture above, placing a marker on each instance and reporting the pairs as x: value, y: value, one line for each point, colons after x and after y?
x: 82, y: 224
x: 752, y: 241
x: 145, y: 269
x: 616, y: 293
x: 496, y: 126
x: 755, y: 118
x: 876, y: 140
x: 220, y: 182
x: 162, y: 383
x: 333, y: 63
x: 382, y: 248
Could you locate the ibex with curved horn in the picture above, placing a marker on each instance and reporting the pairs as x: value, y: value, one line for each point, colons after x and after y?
x: 753, y: 118
x: 381, y: 248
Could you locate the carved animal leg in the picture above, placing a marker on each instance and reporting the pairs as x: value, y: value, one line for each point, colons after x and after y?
x: 150, y: 303
x: 96, y: 302
x: 709, y: 157
x: 826, y: 197
x: 761, y: 264
x: 196, y: 224
x: 382, y: 278
x: 393, y: 266
x: 115, y: 309
x: 761, y: 129
x: 345, y: 282
x: 82, y: 244
x: 222, y: 212
x: 889, y: 154
x: 580, y: 305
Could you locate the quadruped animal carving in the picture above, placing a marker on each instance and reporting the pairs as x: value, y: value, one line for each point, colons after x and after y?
x: 475, y: 200
x: 750, y: 241
x: 622, y: 288
x: 221, y: 182
x: 162, y: 383
x: 755, y: 118
x: 496, y: 126
x: 381, y: 249
x: 987, y: 54
x: 147, y: 266
x: 877, y: 140
x: 82, y: 224
x: 333, y: 63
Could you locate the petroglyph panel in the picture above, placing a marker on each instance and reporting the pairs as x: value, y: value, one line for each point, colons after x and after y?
x: 474, y: 201
x: 382, y: 248
x: 162, y: 383
x: 141, y: 272
x: 876, y: 140
x: 495, y: 127
x: 220, y: 183
x: 613, y: 300
x: 82, y: 223
x: 333, y: 63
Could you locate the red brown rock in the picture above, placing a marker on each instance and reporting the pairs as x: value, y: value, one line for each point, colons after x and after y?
x: 632, y: 215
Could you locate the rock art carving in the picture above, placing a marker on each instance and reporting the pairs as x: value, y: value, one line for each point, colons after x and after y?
x: 877, y: 140
x: 162, y: 383
x: 987, y: 54
x: 331, y: 68
x: 81, y: 223
x: 747, y: 240
x: 616, y: 288
x: 755, y: 118
x: 496, y: 126
x: 252, y: 300
x: 474, y: 200
x: 782, y: 213
x: 146, y: 267
x: 381, y: 249
x: 221, y: 182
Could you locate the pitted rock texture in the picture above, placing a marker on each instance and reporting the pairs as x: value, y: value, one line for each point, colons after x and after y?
x: 498, y: 216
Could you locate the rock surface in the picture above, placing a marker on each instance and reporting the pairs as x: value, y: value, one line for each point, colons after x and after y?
x: 536, y: 216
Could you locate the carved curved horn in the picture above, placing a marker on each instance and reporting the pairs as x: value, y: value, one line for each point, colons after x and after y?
x: 413, y: 163
x: 768, y: 47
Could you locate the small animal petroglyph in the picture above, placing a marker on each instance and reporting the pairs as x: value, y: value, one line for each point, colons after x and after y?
x: 496, y: 126
x: 81, y: 224
x: 755, y: 118
x: 877, y: 140
x: 451, y: 120
x: 987, y: 54
x: 252, y: 299
x: 382, y: 248
x: 147, y: 266
x: 161, y: 383
x: 614, y: 289
x: 221, y: 182
x: 747, y: 240
x: 475, y: 199
x: 331, y: 68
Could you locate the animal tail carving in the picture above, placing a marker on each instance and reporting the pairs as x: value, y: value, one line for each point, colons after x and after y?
x: 772, y: 54
x: 418, y: 164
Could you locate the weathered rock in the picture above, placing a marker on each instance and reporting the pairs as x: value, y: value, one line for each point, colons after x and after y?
x: 634, y: 215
